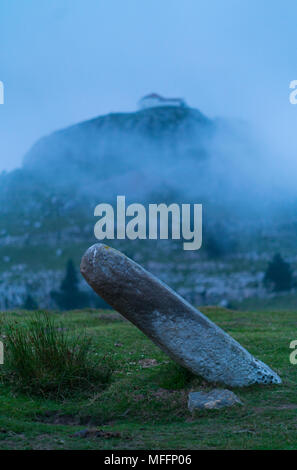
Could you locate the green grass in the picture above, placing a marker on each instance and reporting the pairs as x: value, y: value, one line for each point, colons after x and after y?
x: 280, y: 301
x: 148, y: 405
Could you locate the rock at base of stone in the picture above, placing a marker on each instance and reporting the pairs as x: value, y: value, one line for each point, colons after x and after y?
x: 214, y: 400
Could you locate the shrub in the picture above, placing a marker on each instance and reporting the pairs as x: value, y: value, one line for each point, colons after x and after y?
x: 30, y: 303
x: 279, y: 274
x: 70, y: 297
x: 43, y: 358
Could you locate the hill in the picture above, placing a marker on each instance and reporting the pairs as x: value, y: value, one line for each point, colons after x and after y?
x: 127, y: 153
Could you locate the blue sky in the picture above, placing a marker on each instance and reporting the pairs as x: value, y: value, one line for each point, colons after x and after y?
x: 64, y: 61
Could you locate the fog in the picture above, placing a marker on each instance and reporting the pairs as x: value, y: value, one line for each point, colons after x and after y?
x: 62, y: 62
x: 219, y: 162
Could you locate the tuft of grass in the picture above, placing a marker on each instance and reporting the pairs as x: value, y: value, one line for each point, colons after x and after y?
x: 43, y: 358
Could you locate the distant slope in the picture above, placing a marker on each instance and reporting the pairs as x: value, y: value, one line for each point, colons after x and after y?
x: 135, y: 154
x: 120, y: 148
x: 164, y: 128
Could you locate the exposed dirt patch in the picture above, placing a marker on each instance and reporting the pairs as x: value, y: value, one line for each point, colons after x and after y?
x: 287, y: 406
x: 98, y: 433
x: 145, y: 363
x: 53, y: 417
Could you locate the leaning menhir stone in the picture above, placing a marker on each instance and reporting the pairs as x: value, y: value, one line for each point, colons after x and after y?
x: 179, y: 329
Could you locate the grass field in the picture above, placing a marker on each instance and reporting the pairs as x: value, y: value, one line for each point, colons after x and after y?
x: 146, y: 401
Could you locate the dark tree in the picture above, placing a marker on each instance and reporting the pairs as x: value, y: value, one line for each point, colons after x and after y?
x: 279, y: 274
x: 213, y: 247
x: 30, y: 303
x: 69, y: 296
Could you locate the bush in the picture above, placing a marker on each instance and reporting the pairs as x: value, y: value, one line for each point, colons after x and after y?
x: 30, y: 303
x: 70, y: 297
x: 42, y: 358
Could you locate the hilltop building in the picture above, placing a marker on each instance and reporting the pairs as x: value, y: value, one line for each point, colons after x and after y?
x: 154, y: 100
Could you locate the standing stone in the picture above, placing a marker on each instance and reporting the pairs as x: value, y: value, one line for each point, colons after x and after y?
x: 179, y: 329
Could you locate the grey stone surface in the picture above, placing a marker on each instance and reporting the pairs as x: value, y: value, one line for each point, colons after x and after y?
x: 179, y: 329
x: 213, y: 400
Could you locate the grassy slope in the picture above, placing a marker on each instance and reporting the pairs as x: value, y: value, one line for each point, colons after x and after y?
x: 148, y: 405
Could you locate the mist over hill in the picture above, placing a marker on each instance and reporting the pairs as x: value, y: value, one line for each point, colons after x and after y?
x: 157, y: 152
x: 128, y: 153
x: 163, y: 154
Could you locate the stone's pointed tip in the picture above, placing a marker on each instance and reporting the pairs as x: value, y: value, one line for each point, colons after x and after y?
x: 265, y: 375
x: 272, y: 379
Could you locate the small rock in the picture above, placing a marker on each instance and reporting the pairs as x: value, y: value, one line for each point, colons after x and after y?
x: 214, y: 400
x: 144, y: 363
x: 82, y: 433
x: 224, y: 303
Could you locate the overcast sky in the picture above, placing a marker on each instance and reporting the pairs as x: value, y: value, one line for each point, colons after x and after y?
x: 64, y: 61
